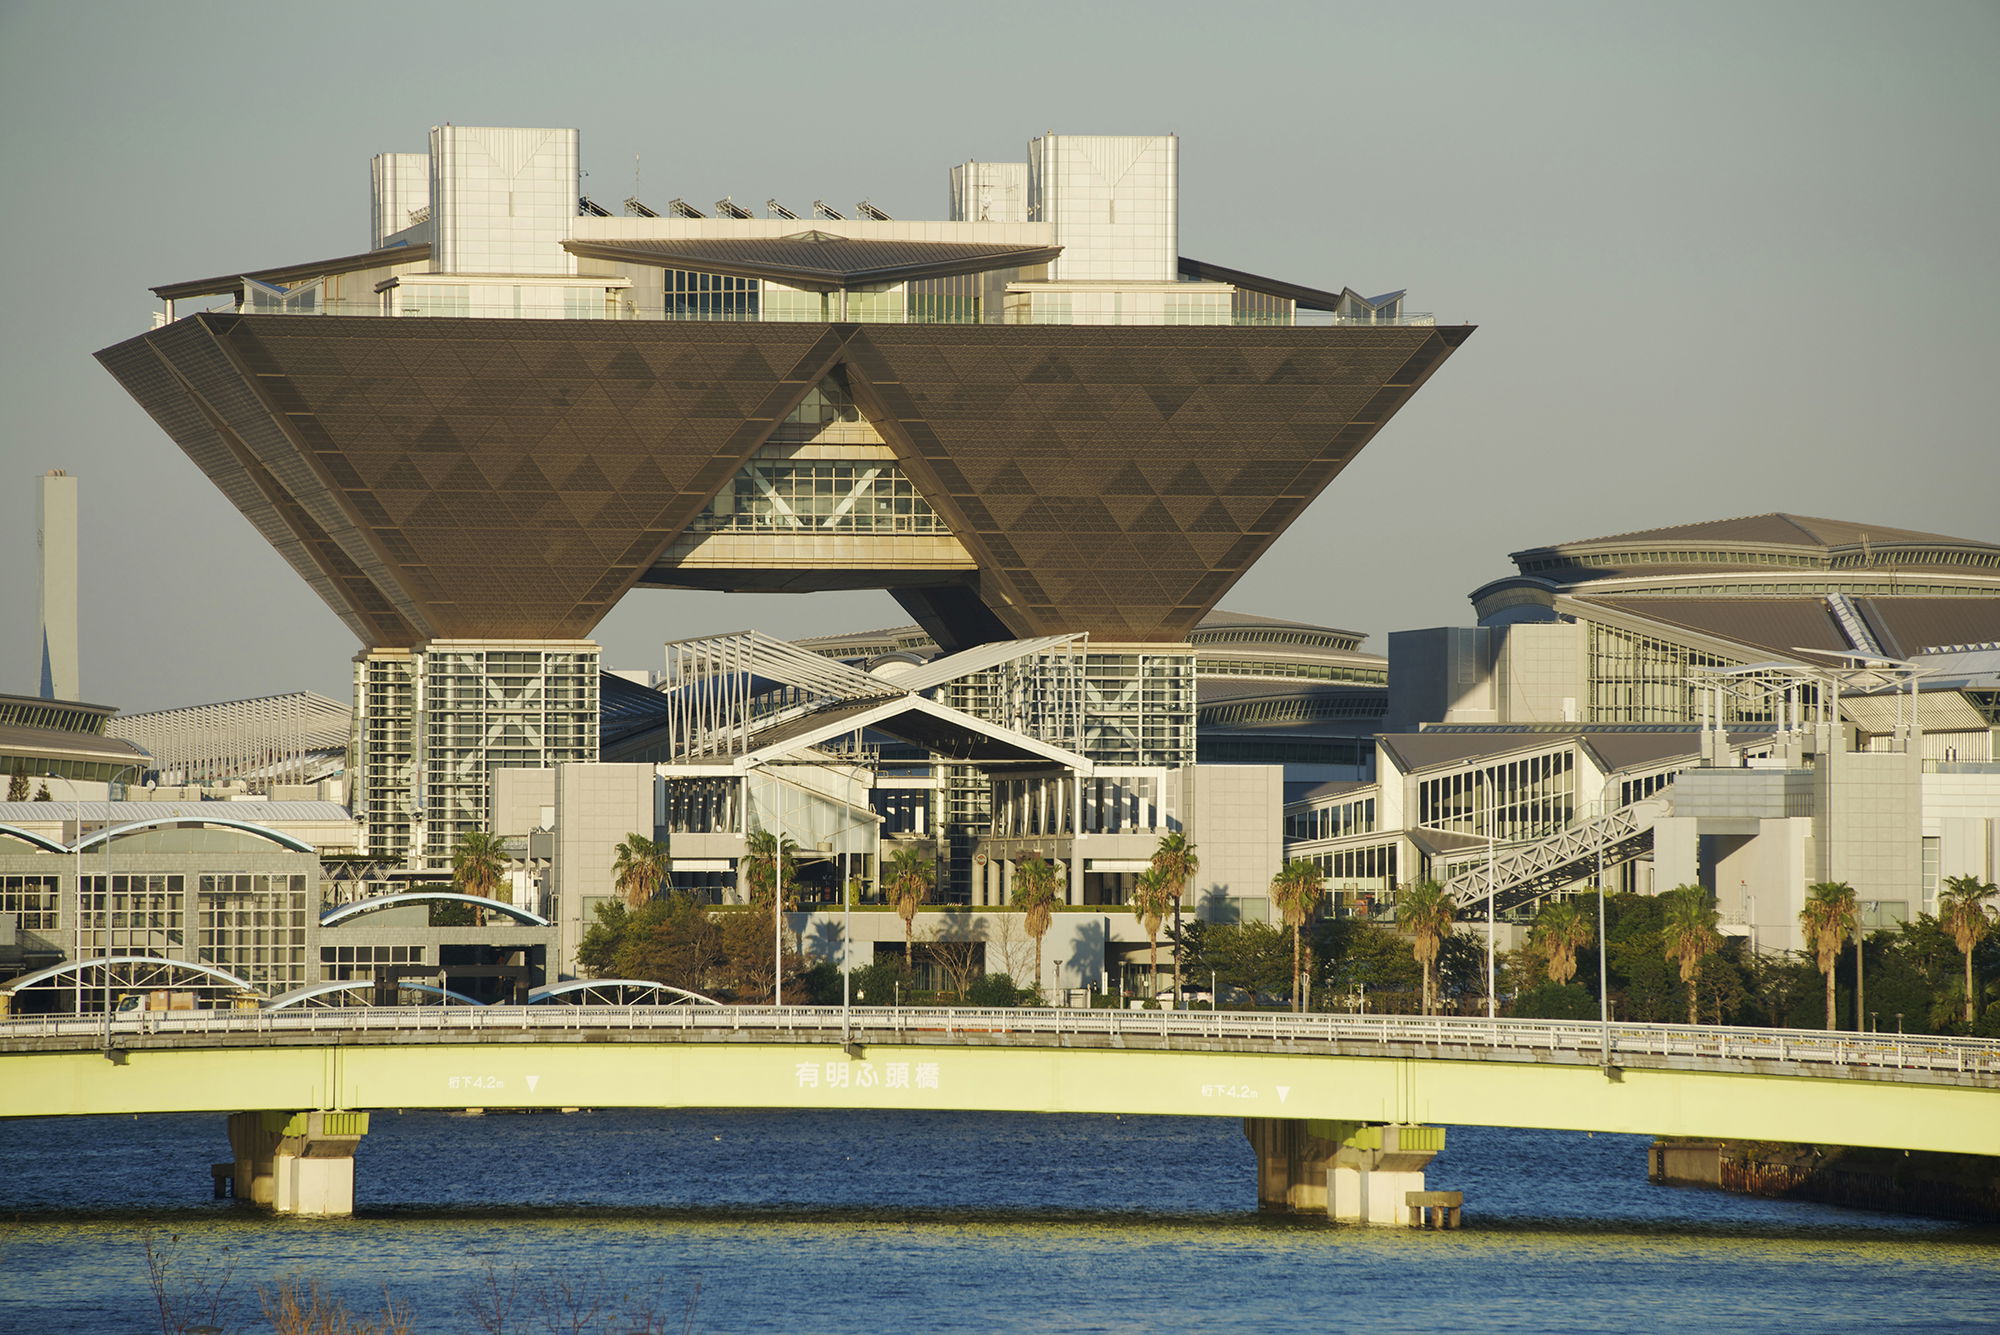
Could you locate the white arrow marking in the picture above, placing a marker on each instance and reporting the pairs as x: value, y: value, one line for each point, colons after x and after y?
x: 532, y: 1081
x: 1284, y: 1091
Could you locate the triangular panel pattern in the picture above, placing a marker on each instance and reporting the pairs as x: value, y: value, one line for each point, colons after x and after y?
x: 514, y: 478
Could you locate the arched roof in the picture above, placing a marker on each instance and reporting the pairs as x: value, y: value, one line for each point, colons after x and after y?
x: 104, y: 961
x: 556, y: 991
x: 42, y: 842
x: 292, y: 842
x: 361, y: 906
x: 311, y: 991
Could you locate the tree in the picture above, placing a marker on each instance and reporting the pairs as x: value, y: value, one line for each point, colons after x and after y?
x: 1427, y: 910
x: 1963, y: 913
x: 1829, y: 918
x: 479, y: 867
x: 639, y: 868
x: 17, y: 785
x: 1560, y: 931
x: 1150, y: 903
x: 1176, y: 862
x: 1253, y: 956
x: 1037, y: 891
x: 1688, y: 935
x: 42, y: 794
x: 1296, y: 892
x: 768, y: 861
x: 911, y: 874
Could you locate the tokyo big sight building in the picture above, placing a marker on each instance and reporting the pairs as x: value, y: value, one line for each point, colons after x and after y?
x: 1034, y: 422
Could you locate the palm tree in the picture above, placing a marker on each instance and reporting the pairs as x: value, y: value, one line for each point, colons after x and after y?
x: 1428, y: 910
x: 1829, y: 918
x: 639, y: 868
x: 1689, y: 935
x: 767, y: 862
x: 1560, y: 931
x: 1176, y: 862
x: 1296, y: 892
x: 1962, y: 912
x: 1149, y: 903
x: 1037, y: 891
x: 478, y: 865
x: 912, y: 872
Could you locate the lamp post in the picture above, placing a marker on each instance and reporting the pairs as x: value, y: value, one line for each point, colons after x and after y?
x: 1492, y: 834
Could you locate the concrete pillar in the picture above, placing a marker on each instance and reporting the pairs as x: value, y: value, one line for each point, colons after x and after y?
x: 297, y: 1163
x: 1354, y: 1172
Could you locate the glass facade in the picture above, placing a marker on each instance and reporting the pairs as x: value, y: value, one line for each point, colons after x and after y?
x: 255, y: 927
x: 35, y: 901
x: 1337, y: 820
x: 1507, y: 800
x: 1641, y: 679
x: 711, y: 296
x: 822, y: 495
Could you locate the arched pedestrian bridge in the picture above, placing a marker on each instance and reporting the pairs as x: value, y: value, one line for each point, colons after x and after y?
x: 1914, y: 1093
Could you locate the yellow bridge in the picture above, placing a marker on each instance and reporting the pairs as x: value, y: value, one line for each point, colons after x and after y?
x: 1304, y: 1079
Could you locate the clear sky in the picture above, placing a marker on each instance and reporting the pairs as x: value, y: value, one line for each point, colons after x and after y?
x: 1726, y: 257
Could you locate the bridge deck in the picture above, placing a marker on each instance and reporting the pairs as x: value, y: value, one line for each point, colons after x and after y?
x: 1915, y: 1093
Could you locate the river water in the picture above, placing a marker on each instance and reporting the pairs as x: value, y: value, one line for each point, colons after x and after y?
x: 940, y: 1222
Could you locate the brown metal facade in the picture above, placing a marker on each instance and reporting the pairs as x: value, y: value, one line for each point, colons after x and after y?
x: 512, y: 479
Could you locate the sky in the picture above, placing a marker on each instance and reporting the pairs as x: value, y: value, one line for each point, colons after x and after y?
x: 1724, y: 258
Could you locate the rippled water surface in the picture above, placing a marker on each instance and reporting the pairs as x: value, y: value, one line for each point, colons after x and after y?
x: 894, y: 1222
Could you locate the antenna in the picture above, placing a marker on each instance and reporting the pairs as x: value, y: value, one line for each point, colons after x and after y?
x: 870, y: 212
x: 821, y: 209
x: 680, y: 208
x: 777, y: 210
x: 727, y: 207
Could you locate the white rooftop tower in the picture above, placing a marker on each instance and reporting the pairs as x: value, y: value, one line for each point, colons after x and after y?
x: 57, y: 538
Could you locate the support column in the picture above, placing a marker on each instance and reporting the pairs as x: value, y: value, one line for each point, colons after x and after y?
x: 297, y: 1163
x: 1354, y: 1172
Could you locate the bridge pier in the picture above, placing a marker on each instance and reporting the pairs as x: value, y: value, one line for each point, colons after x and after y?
x: 1353, y: 1172
x: 296, y: 1162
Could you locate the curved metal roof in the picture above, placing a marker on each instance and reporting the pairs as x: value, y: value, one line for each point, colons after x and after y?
x: 47, y: 845
x: 297, y: 845
x: 361, y: 906
x: 819, y: 261
x: 553, y: 991
x: 313, y: 990
x: 100, y: 961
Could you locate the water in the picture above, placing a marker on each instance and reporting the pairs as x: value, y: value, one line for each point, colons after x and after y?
x: 914, y: 1222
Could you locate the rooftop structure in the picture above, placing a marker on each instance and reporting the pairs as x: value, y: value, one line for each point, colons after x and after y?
x: 272, y: 740
x: 1019, y: 425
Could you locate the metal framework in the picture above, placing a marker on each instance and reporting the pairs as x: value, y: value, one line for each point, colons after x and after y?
x: 92, y: 985
x: 616, y: 992
x: 274, y: 739
x: 1526, y: 872
x: 721, y: 689
x: 360, y: 906
x: 360, y: 992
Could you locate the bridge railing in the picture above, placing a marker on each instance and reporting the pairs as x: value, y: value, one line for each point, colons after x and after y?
x: 1797, y: 1051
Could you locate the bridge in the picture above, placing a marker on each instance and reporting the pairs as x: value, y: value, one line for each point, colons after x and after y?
x: 1332, y: 1103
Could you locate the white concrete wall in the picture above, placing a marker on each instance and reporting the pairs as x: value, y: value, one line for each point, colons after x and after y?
x: 1542, y: 673
x: 597, y: 806
x: 1234, y: 816
x: 1114, y: 201
x: 503, y: 200
x: 523, y: 800
x: 56, y: 536
x: 1869, y: 825
x: 402, y: 186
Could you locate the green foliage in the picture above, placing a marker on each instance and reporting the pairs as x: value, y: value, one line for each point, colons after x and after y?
x: 17, y: 785
x: 997, y: 989
x: 639, y: 869
x: 820, y: 982
x: 875, y: 984
x: 599, y: 946
x: 1037, y: 893
x: 479, y: 866
x: 1360, y: 956
x: 1252, y: 956
x: 908, y: 879
x: 446, y: 913
x: 1556, y: 1001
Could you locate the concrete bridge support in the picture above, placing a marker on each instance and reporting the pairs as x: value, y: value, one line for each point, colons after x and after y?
x: 1354, y: 1172
x: 297, y: 1163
